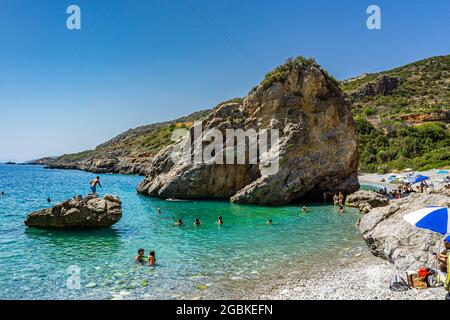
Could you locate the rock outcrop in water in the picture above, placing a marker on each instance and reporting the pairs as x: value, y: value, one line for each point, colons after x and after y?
x: 79, y: 212
x: 390, y: 237
x: 317, y: 145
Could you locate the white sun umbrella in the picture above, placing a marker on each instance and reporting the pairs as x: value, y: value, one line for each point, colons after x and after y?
x: 436, y: 219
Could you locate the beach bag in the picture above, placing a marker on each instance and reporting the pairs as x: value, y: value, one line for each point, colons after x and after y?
x: 398, y: 284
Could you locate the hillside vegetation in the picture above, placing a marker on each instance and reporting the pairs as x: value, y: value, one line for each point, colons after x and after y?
x: 405, y: 124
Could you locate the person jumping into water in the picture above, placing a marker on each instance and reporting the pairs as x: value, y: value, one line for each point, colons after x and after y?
x: 94, y: 184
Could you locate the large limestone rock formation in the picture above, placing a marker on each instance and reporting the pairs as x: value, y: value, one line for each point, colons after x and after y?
x: 317, y: 145
x: 79, y: 212
x: 390, y: 237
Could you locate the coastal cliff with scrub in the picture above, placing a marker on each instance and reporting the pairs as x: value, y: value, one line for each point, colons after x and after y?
x: 402, y: 119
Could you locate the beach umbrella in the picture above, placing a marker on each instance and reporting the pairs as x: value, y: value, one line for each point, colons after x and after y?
x: 416, y: 179
x: 436, y: 219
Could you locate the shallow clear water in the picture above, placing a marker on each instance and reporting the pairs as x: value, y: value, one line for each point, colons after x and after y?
x: 192, y: 261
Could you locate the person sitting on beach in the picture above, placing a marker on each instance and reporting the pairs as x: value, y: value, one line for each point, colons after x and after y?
x: 197, y: 222
x: 151, y: 258
x: 94, y: 183
x: 269, y: 222
x: 444, y: 266
x: 341, y: 208
x: 140, y: 258
x: 220, y: 221
x: 179, y: 222
x: 335, y: 199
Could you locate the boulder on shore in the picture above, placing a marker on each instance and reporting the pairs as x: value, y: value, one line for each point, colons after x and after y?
x: 78, y: 212
x: 390, y: 237
x: 317, y: 144
x: 366, y: 200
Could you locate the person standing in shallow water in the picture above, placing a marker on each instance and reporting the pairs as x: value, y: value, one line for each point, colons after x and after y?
x: 220, y: 221
x: 94, y: 183
x: 151, y: 258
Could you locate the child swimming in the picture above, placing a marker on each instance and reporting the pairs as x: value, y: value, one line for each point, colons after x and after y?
x: 151, y: 258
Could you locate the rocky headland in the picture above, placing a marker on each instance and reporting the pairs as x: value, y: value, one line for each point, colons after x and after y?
x: 317, y: 145
x: 78, y: 212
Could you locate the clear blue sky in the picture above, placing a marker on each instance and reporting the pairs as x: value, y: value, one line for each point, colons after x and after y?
x: 136, y: 62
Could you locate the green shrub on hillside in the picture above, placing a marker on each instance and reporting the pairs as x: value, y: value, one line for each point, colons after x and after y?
x: 420, y: 148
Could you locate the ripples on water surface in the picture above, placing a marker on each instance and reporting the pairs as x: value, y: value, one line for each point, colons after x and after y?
x: 192, y: 261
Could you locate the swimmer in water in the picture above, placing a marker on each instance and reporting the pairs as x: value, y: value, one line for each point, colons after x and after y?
x: 49, y: 200
x: 158, y: 210
x: 269, y: 222
x: 220, y: 221
x: 151, y: 258
x: 140, y: 257
x: 341, y: 208
x: 179, y: 222
x: 197, y: 222
x: 304, y: 209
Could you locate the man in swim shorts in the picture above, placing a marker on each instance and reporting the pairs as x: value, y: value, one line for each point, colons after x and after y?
x: 140, y: 257
x: 94, y: 183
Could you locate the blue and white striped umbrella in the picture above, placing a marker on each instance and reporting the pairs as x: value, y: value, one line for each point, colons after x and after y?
x: 436, y: 219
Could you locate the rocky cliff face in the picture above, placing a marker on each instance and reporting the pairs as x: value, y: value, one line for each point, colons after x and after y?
x: 317, y: 145
x: 390, y: 237
x: 88, y: 212
x: 128, y: 153
x: 382, y: 86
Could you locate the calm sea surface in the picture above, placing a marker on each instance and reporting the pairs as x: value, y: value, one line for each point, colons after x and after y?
x: 192, y: 262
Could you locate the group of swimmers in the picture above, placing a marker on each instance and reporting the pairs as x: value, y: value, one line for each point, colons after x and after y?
x: 141, y: 258
x: 338, y: 200
x: 197, y: 221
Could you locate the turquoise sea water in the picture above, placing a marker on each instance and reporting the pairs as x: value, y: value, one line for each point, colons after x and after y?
x: 192, y: 262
